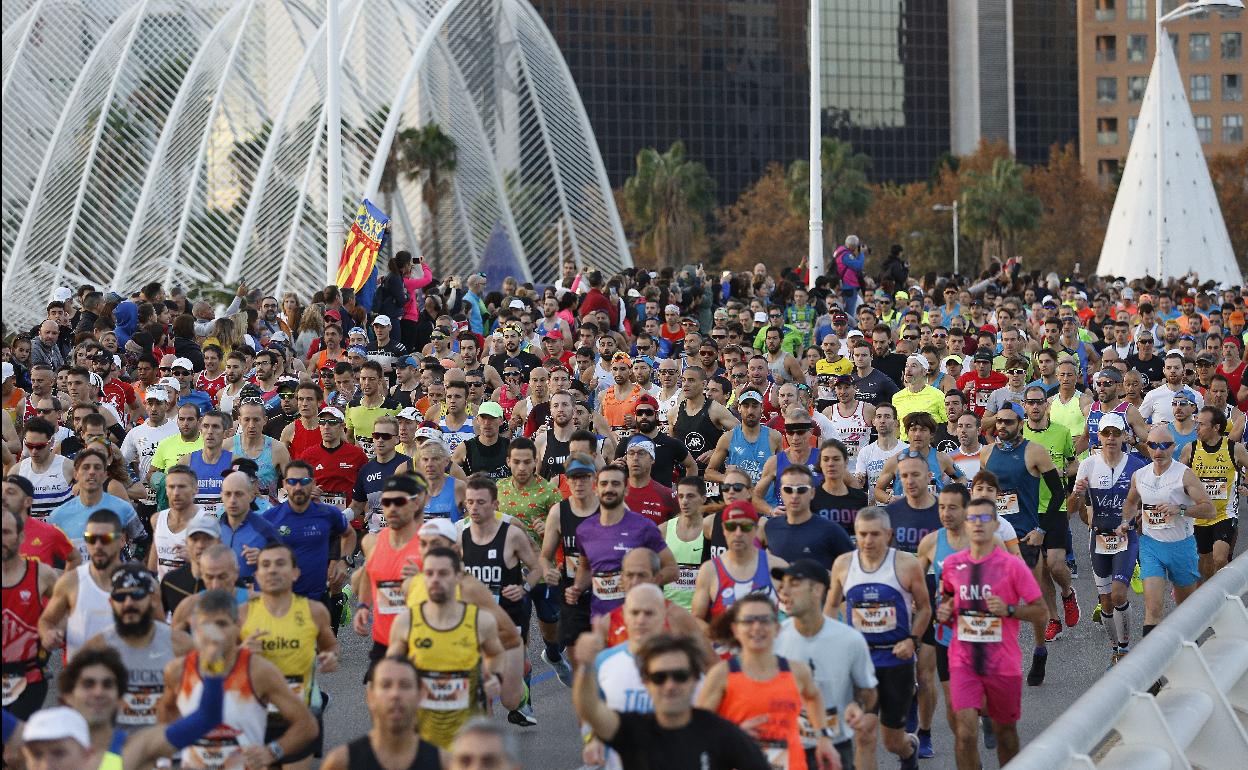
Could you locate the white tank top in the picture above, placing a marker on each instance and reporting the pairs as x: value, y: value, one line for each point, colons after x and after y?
x: 1166, y: 488
x: 92, y: 613
x: 852, y: 430
x: 667, y: 405
x: 167, y: 542
x: 243, y: 719
x: 51, y: 488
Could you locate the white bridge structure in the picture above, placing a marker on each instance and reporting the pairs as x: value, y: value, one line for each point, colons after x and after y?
x: 183, y: 141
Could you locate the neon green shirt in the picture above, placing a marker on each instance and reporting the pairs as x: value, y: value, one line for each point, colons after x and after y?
x: 1055, y: 438
x: 929, y: 399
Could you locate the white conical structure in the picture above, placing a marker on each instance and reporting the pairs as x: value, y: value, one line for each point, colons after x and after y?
x: 1194, y: 237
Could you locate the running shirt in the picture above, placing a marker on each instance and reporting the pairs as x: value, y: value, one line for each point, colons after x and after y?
x: 529, y: 504
x: 1219, y: 475
x: 304, y: 439
x: 689, y: 557
x: 985, y: 643
x: 826, y: 373
x: 816, y: 538
x: 911, y: 525
x: 552, y: 461
x: 748, y: 455
x: 71, y: 518
x: 139, y: 447
x: 210, y: 476
x: 308, y: 535
x: 360, y: 420
x: 360, y: 756
x: 170, y: 546
x: 145, y: 670
x: 449, y: 664
x: 840, y: 509
x: 490, y: 460
x: 1181, y: 440
x: 779, y: 700
x: 51, y: 487
x: 783, y: 462
x: 936, y: 475
x: 840, y: 662
x: 267, y: 474
x: 487, y: 562
x: 569, y: 524
x: 1068, y: 414
x: 654, y: 501
x: 1093, y: 423
x: 43, y: 542
x: 619, y: 680
x: 368, y: 483
x: 243, y: 720
x: 1019, y: 500
x: 879, y: 607
x: 384, y: 570
x: 1057, y: 439
x: 1156, y: 490
x: 1108, y: 487
x: 289, y: 641
x: 442, y: 505
x: 698, y: 431
x: 730, y: 589
x: 456, y: 436
x: 872, y: 458
x: 92, y: 612
x: 604, y: 547
x: 852, y: 429
x: 876, y: 388
x: 24, y: 655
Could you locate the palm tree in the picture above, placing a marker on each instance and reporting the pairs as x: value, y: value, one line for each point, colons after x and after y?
x: 668, y: 200
x: 427, y: 155
x: 846, y: 192
x: 996, y: 206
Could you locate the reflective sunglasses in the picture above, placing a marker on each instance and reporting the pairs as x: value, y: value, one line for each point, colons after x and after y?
x: 1162, y: 445
x: 35, y: 446
x: 677, y: 675
x: 302, y: 481
x: 251, y: 400
x: 794, y: 430
x: 381, y: 436
x: 743, y: 526
x: 391, y: 502
x: 1015, y: 370
x: 800, y: 489
x: 107, y: 538
x: 1034, y: 401
x: 329, y: 421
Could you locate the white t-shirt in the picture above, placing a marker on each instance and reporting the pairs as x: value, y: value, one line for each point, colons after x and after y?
x: 140, y: 446
x: 871, y: 461
x: 1156, y: 408
x: 840, y: 660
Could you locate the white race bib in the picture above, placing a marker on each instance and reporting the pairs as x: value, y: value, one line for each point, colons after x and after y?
x: 877, y: 618
x: 1110, y: 544
x: 444, y: 690
x: 978, y: 627
x: 1156, y: 519
x: 607, y: 586
x: 390, y: 597
x: 1007, y: 504
x: 1215, y: 488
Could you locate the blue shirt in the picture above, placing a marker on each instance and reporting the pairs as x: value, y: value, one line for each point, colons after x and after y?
x: 817, y: 538
x: 475, y: 321
x: 71, y: 517
x: 199, y: 398
x: 255, y: 532
x: 308, y: 534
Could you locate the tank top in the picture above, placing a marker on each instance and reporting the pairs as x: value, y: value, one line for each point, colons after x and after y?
x: 1094, y: 422
x: 23, y: 653
x: 748, y: 455
x: 730, y: 589
x: 167, y: 544
x: 699, y: 433
x: 290, y: 641
x: 304, y: 438
x: 568, y: 523
x: 783, y: 461
x: 92, y: 613
x: 667, y: 405
x: 269, y: 482
x: 944, y: 633
x: 208, y: 495
x: 491, y: 460
x: 449, y: 664
x: 555, y: 456
x: 1069, y: 414
x: 360, y: 756
x: 508, y: 400
x: 850, y: 429
x: 145, y: 671
x: 1181, y: 439
x: 1019, y: 500
x: 51, y: 488
x: 456, y: 436
x: 1108, y: 487
x: 243, y: 719
x: 936, y: 477
x: 879, y: 607
x: 689, y: 557
x: 488, y: 563
x: 1158, y: 489
x: 384, y: 569
x: 1219, y: 476
x: 779, y: 374
x: 443, y: 505
x: 780, y: 700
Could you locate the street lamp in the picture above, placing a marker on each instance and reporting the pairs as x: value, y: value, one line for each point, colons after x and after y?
x: 1187, y: 9
x: 334, y: 229
x: 814, y: 258
x: 954, y: 208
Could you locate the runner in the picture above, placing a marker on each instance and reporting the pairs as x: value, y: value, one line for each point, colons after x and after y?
x: 79, y: 609
x: 552, y: 445
x: 28, y: 587
x: 873, y: 456
x: 851, y: 418
x: 49, y: 473
x: 699, y: 421
x: 169, y: 526
x: 391, y: 556
x: 686, y: 539
x: 209, y: 462
x: 372, y: 476
x: 335, y: 462
x: 795, y: 532
x: 485, y: 452
x: 1218, y: 462
x: 748, y: 445
x: 269, y: 454
x: 800, y: 449
x: 742, y: 570
x: 392, y: 697
x: 562, y: 523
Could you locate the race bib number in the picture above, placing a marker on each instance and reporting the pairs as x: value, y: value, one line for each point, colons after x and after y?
x: 809, y: 735
x: 336, y: 499
x: 1156, y: 519
x: 14, y: 686
x: 1215, y: 488
x: 875, y: 618
x: 389, y: 597
x: 687, y: 576
x: 1007, y: 504
x: 138, y: 708
x: 777, y: 754
x: 981, y: 398
x: 1109, y: 544
x: 607, y: 586
x: 215, y: 753
x: 978, y: 627
x: 444, y: 690
x: 570, y: 564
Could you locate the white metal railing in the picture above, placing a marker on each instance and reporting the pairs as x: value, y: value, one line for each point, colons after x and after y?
x: 1197, y: 718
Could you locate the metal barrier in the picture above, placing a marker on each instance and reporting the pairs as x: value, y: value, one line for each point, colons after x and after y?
x: 1197, y: 718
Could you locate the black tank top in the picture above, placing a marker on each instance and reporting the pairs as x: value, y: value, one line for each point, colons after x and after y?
x: 698, y: 431
x: 555, y: 457
x: 360, y: 756
x: 718, y: 541
x: 491, y: 461
x: 568, y: 522
x: 488, y: 563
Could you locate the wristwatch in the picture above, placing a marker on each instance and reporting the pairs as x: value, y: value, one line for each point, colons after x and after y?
x: 275, y: 749
x: 1182, y: 510
x: 1010, y: 609
x: 828, y: 733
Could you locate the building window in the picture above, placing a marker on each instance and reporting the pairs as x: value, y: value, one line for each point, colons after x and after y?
x: 1106, y: 48
x: 1232, y: 128
x: 1233, y: 87
x: 1204, y: 128
x: 1137, y: 10
x: 1135, y: 87
x: 1104, y: 10
x: 1107, y: 131
x: 1232, y: 45
x: 1201, y: 88
x: 1106, y: 90
x: 1131, y: 124
x: 1198, y: 46
x: 1137, y: 47
x: 1107, y: 170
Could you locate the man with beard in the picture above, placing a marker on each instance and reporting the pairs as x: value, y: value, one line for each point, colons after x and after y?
x: 287, y: 410
x: 1157, y: 406
x: 748, y: 445
x: 172, y: 447
x: 1108, y: 386
x: 783, y: 367
x: 392, y: 695
x: 27, y: 588
x: 145, y: 644
x: 511, y: 352
x: 78, y: 609
x: 552, y: 444
x: 884, y: 356
x: 470, y: 362
x: 1145, y: 360
x: 562, y: 523
x: 670, y: 453
x: 303, y: 432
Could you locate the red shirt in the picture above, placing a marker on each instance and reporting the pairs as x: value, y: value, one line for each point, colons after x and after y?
x: 978, y: 389
x: 120, y: 395
x: 672, y: 336
x: 594, y: 301
x: 210, y: 386
x: 1234, y: 379
x: 656, y: 502
x: 335, y: 470
x: 45, y: 542
x: 617, y: 632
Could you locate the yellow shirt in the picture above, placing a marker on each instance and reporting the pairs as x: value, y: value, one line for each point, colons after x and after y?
x: 929, y: 400
x: 289, y: 641
x: 1218, y: 474
x: 449, y: 664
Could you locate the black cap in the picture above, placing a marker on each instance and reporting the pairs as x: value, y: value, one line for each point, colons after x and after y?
x: 407, y: 483
x: 246, y: 465
x: 983, y: 354
x: 803, y: 569
x: 22, y: 483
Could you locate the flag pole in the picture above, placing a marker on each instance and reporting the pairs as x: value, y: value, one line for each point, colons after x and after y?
x: 333, y: 145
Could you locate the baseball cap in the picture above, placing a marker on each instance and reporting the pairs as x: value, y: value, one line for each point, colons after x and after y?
x: 22, y: 483
x: 333, y: 315
x: 621, y: 358
x: 802, y: 569
x: 61, y: 293
x: 1184, y: 394
x: 405, y: 482
x: 750, y: 395
x: 360, y: 349
x: 843, y: 379
x: 382, y: 320
x: 438, y: 528
x: 156, y: 393
x: 951, y: 359
x: 286, y: 382
x: 426, y: 432
x: 1205, y: 358
x: 409, y: 413
x: 357, y: 331
x: 760, y: 317
x: 57, y: 723
x: 1236, y: 317
x: 182, y: 363
x: 490, y: 409
x: 1111, y: 420
x: 739, y: 510
x: 919, y: 360
x: 332, y: 411
x: 1111, y: 374
x: 854, y: 333
x: 204, y: 523
x: 516, y: 304
x: 170, y: 383
x: 647, y: 400
x: 983, y: 354
x: 579, y: 468
x: 407, y: 361
x: 644, y: 444
x: 553, y: 333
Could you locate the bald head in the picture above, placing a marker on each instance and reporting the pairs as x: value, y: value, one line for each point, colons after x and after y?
x: 640, y: 565
x: 644, y: 594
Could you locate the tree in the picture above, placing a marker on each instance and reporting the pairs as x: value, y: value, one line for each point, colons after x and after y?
x: 1075, y: 212
x: 760, y: 226
x: 667, y: 201
x: 996, y: 207
x: 428, y: 156
x: 1230, y: 180
x: 846, y: 192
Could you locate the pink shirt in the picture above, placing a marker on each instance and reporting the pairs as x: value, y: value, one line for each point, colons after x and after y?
x: 968, y: 583
x: 413, y: 286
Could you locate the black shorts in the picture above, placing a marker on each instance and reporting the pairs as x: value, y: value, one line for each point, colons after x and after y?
x: 30, y: 701
x: 274, y: 729
x: 1030, y: 554
x: 573, y: 621
x: 896, y: 690
x: 1055, y: 539
x: 942, y: 662
x: 1226, y: 531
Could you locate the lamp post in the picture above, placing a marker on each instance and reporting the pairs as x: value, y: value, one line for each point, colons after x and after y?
x: 333, y: 144
x: 954, y: 208
x: 1187, y: 9
x: 814, y: 257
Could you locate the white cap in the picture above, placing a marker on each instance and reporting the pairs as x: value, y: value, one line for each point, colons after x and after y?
x: 156, y: 393
x: 517, y: 304
x: 1111, y: 420
x: 62, y: 293
x: 920, y: 360
x: 332, y: 411
x: 432, y: 434
x: 854, y: 333
x: 439, y: 527
x: 633, y: 293
x: 382, y: 320
x: 760, y: 317
x: 410, y: 413
x: 57, y: 723
x: 8, y: 371
x: 182, y: 363
x: 170, y: 383
x: 672, y: 309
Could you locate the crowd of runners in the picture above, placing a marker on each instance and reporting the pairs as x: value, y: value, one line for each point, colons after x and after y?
x: 755, y: 524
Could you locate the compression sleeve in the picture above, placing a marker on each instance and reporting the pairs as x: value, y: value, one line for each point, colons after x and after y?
x: 1057, y: 495
x: 196, y: 724
x: 11, y: 723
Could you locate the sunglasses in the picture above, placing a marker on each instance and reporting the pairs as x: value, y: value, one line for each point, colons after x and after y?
x: 940, y: 336
x: 1110, y: 432
x: 107, y: 538
x: 718, y: 336
x: 1015, y: 371
x: 474, y: 384
x: 736, y: 486
x: 734, y: 526
x: 138, y: 594
x: 302, y: 481
x: 668, y: 371
x: 677, y: 675
x: 329, y: 421
x: 1162, y: 445
x: 511, y: 374
x: 181, y: 372
x: 909, y: 337
x: 1006, y: 422
x: 251, y: 400
x: 1181, y: 403
x: 980, y: 518
x: 391, y: 502
x: 36, y: 446
x: 794, y: 430
x: 800, y: 489
x: 379, y: 436
x: 1034, y: 401
x: 644, y: 412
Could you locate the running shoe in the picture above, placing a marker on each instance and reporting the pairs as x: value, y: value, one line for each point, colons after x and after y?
x: 1096, y: 613
x: 1137, y: 585
x: 912, y: 762
x: 925, y: 745
x: 1053, y: 630
x: 563, y: 669
x: 522, y: 716
x: 1035, y: 677
x: 1070, y: 607
x: 990, y: 735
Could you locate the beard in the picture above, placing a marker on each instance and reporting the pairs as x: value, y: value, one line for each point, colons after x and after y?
x: 610, y: 499
x: 645, y: 426
x: 131, y: 630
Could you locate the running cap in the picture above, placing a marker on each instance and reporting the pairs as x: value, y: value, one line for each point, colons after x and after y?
x: 182, y: 363
x: 382, y: 320
x: 433, y: 434
x: 750, y: 395
x: 490, y: 409
x: 332, y: 411
x: 204, y: 523
x: 919, y: 360
x: 55, y: 724
x: 409, y: 413
x: 62, y: 294
x: 1111, y: 420
x: 1111, y: 374
x: 802, y: 569
x: 439, y: 528
x: 134, y: 575
x: 739, y: 510
x: 579, y: 468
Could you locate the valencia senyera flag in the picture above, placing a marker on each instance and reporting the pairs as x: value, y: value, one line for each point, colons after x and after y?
x: 359, y: 253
